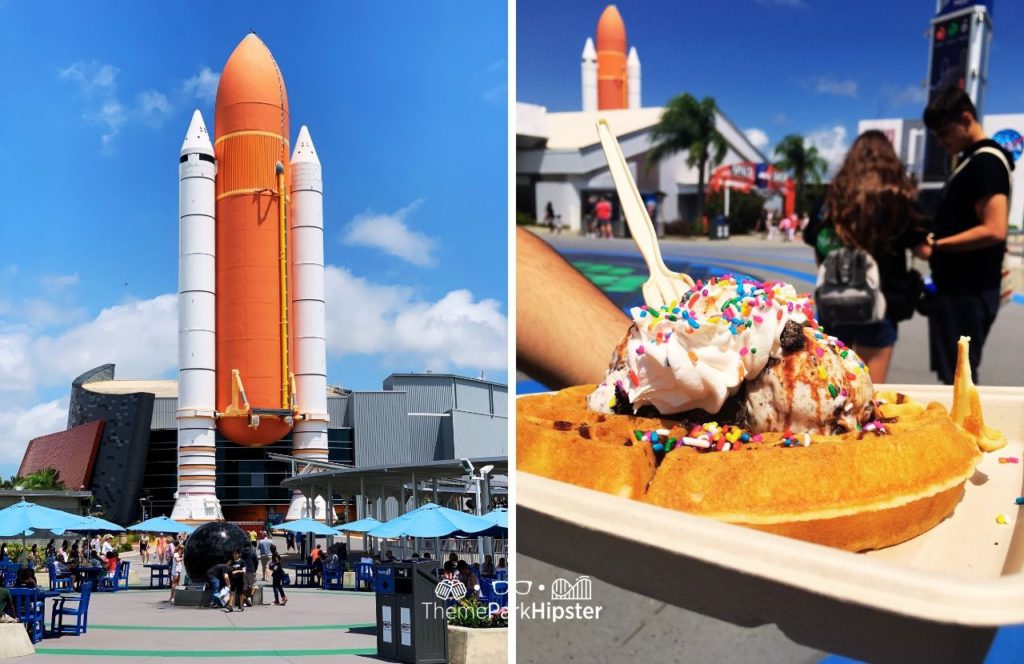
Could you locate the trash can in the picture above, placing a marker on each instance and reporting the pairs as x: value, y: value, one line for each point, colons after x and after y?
x: 387, y: 642
x: 719, y: 228
x: 412, y: 621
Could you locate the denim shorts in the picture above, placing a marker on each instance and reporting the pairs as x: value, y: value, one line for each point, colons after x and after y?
x: 873, y: 335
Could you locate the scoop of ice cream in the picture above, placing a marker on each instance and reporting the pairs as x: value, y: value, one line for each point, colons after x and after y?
x: 699, y: 352
x: 816, y: 386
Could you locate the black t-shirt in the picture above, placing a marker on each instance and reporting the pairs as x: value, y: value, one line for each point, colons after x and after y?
x: 218, y: 570
x: 985, y: 175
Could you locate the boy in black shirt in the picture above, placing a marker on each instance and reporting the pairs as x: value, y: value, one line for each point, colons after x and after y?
x: 970, y: 228
x: 237, y: 566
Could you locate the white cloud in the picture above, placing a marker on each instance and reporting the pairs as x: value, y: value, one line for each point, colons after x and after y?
x: 907, y: 95
x: 23, y: 424
x: 828, y: 85
x: 389, y: 233
x: 92, y: 77
x: 831, y: 144
x: 456, y: 331
x: 153, y: 106
x: 57, y: 282
x: 140, y: 337
x: 112, y: 115
x: 203, y: 85
x: 97, y: 85
x: 757, y: 137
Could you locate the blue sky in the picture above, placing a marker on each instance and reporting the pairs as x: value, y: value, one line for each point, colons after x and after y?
x: 812, y: 67
x: 406, y: 105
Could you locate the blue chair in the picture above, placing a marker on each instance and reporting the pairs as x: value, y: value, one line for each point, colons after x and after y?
x: 114, y: 583
x: 365, y: 573
x: 60, y: 580
x: 28, y: 606
x: 80, y: 611
x: 332, y: 577
x: 501, y: 575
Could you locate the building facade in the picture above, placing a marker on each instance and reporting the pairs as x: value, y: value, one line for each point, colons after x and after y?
x: 415, y: 418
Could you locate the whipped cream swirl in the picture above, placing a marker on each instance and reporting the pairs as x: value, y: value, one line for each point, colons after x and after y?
x: 696, y: 353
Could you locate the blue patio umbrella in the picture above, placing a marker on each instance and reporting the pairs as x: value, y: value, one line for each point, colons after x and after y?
x: 360, y: 526
x: 308, y: 526
x: 161, y: 524
x: 98, y: 525
x: 498, y: 517
x: 432, y: 520
x: 22, y: 518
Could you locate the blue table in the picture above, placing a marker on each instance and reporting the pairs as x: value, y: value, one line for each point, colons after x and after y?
x: 303, y: 574
x: 161, y: 573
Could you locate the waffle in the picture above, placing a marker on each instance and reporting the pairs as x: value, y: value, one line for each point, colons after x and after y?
x: 859, y: 490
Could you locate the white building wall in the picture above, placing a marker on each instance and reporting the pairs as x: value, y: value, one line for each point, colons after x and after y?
x: 1015, y: 121
x: 564, y: 197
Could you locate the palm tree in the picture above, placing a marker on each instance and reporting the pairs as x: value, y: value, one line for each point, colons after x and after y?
x: 12, y: 483
x: 802, y: 160
x: 690, y: 125
x: 45, y: 479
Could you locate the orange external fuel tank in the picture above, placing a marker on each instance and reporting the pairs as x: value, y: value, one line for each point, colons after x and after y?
x: 253, y: 345
x: 612, y: 75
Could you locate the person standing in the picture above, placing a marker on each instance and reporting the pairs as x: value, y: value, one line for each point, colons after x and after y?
x: 277, y: 576
x: 264, y: 545
x: 971, y: 223
x: 871, y: 205
x: 252, y: 563
x: 549, y: 216
x: 161, y: 549
x: 289, y: 539
x: 144, y: 548
x: 177, y: 567
x: 603, y: 212
x: 237, y: 572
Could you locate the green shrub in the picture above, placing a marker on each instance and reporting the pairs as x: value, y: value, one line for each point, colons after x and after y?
x: 525, y: 219
x: 473, y: 613
x: 124, y: 547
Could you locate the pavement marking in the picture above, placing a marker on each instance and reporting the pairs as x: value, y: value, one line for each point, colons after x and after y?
x: 206, y: 653
x: 271, y: 628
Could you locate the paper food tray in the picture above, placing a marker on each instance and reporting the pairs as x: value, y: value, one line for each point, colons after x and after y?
x: 967, y: 571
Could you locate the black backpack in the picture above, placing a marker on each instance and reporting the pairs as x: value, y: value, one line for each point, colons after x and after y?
x: 848, y: 290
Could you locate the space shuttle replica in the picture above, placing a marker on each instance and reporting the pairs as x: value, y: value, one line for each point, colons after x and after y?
x: 611, y: 78
x: 252, y: 350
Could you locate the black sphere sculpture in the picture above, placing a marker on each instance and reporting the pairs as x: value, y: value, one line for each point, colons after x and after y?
x: 212, y: 543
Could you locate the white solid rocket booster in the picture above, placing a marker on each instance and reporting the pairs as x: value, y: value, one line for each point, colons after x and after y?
x: 309, y: 435
x: 633, y: 77
x: 196, y: 499
x: 588, y: 72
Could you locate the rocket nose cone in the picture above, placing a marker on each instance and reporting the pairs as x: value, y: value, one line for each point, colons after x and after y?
x: 197, y: 138
x: 304, y: 152
x: 611, y: 31
x: 250, y: 76
x: 589, y: 53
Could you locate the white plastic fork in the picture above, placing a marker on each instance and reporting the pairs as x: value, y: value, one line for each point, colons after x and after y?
x: 663, y: 286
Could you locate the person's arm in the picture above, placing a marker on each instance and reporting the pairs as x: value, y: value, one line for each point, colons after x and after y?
x: 992, y: 211
x: 566, y: 329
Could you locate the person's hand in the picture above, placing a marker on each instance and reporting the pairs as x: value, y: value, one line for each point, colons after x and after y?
x: 923, y: 250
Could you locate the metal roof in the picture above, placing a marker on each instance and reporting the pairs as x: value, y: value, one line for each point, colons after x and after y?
x: 375, y: 480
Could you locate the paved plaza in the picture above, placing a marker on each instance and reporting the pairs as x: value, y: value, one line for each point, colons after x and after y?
x: 140, y: 625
